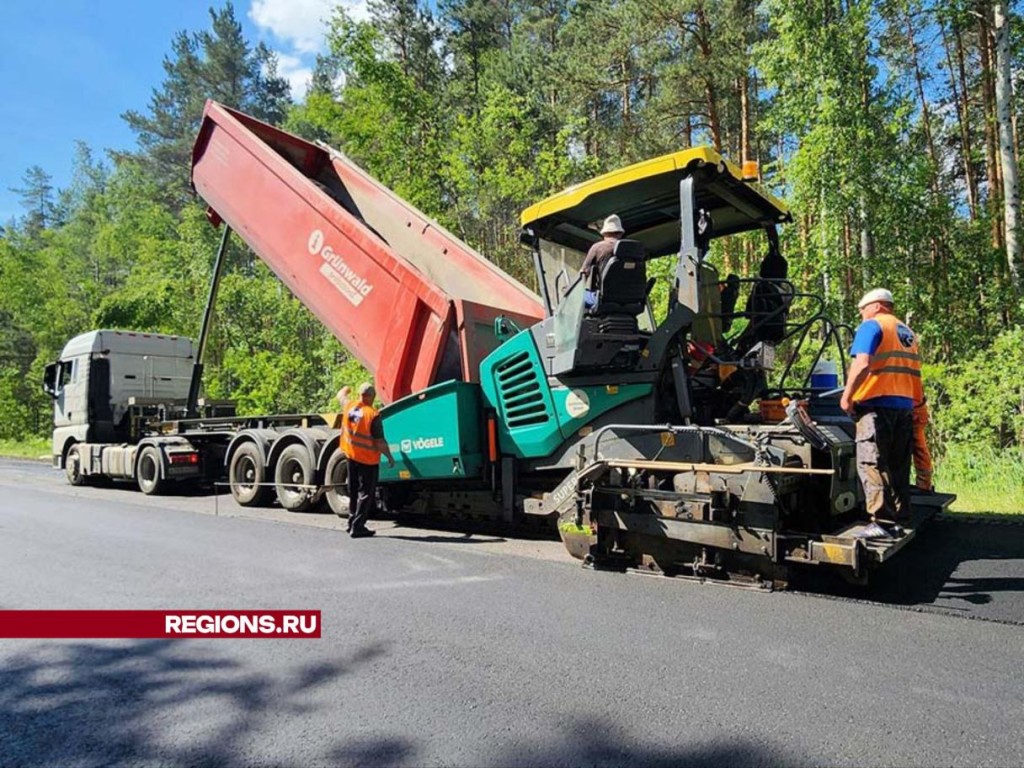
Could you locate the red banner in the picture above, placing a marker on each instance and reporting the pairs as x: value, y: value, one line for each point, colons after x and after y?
x: 162, y: 624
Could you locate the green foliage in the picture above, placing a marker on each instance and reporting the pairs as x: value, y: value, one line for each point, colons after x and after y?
x: 36, y: 195
x: 980, y: 402
x: 28, y: 448
x: 473, y: 110
x: 214, y: 64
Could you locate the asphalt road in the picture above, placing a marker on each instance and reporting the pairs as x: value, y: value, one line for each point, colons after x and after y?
x: 441, y: 649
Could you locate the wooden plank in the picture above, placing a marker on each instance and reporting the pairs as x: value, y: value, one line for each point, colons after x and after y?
x: 729, y: 469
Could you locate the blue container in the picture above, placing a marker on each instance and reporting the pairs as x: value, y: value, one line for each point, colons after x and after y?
x: 824, y: 381
x: 825, y: 375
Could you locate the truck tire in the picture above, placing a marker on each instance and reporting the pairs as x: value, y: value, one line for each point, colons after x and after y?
x: 295, y: 468
x: 244, y: 473
x: 147, y: 472
x: 336, y: 480
x: 73, y: 467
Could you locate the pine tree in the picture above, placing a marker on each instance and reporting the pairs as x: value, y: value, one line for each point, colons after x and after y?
x: 36, y: 195
x: 214, y: 64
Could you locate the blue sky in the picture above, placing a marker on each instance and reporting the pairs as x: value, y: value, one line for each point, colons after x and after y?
x: 70, y: 68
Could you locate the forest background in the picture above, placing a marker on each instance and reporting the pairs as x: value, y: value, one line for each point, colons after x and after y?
x: 889, y: 126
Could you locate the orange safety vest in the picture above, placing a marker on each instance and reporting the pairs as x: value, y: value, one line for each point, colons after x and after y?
x: 895, y: 368
x: 356, y: 439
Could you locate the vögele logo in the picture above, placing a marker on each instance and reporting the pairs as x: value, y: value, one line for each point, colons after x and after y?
x: 421, y: 444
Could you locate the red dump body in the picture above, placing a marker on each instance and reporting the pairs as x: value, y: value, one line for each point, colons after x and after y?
x: 411, y: 301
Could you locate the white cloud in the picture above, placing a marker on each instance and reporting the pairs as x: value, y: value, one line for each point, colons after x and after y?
x: 296, y: 72
x: 295, y: 29
x: 301, y: 23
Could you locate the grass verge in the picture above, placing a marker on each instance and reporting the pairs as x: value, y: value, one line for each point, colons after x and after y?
x: 984, y: 479
x: 30, y: 448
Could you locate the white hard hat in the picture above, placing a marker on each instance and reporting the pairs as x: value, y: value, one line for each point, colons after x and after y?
x: 878, y: 294
x: 612, y: 224
x: 366, y: 387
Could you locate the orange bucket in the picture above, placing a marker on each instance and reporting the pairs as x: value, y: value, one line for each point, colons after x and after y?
x: 773, y: 411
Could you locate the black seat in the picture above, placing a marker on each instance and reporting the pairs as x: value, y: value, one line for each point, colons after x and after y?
x: 609, y: 335
x: 623, y: 287
x: 768, y: 304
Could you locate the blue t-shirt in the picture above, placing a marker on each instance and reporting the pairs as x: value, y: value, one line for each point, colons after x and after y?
x: 865, y: 342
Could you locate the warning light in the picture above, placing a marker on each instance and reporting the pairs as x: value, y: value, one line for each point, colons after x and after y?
x: 751, y: 171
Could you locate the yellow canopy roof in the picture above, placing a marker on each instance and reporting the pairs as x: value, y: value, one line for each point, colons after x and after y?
x: 646, y: 197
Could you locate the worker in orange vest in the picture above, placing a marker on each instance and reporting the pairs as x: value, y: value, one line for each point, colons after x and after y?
x: 922, y: 456
x: 362, y: 441
x: 883, y: 384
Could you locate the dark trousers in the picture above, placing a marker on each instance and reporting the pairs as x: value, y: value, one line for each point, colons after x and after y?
x: 362, y: 485
x: 884, y: 448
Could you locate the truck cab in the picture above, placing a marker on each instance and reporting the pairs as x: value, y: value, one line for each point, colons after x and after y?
x: 100, y: 374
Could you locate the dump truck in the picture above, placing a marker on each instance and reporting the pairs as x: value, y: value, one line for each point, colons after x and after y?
x: 653, y: 423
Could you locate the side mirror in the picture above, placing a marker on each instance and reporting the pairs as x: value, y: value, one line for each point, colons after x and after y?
x: 51, y: 380
x: 504, y: 328
x: 528, y: 238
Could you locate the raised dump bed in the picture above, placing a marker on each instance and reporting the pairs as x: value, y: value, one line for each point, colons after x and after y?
x: 411, y: 301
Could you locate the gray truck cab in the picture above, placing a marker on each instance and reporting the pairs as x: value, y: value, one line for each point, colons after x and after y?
x: 101, y: 373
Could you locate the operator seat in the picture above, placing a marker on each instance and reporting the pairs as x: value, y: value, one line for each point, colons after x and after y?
x: 623, y: 285
x: 768, y: 304
x: 609, y: 333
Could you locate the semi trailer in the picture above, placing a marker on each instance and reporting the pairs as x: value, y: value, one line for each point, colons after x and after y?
x: 650, y: 440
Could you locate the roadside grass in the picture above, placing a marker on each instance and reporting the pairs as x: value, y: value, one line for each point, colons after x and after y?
x: 984, y: 479
x: 30, y: 448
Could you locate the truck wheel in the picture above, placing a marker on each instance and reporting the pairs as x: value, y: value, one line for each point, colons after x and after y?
x: 294, y: 469
x: 73, y: 467
x: 336, y: 479
x: 245, y: 473
x: 148, y: 472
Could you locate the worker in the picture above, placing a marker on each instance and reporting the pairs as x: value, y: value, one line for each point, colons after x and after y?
x: 362, y: 441
x: 598, y: 255
x: 922, y: 456
x: 883, y: 384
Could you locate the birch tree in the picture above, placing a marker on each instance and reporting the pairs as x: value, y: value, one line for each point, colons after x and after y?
x: 1007, y: 153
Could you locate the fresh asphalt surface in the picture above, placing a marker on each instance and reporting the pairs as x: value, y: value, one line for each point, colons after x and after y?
x: 441, y: 649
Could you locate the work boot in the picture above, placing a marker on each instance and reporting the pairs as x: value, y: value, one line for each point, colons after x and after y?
x: 361, y: 533
x: 873, y: 530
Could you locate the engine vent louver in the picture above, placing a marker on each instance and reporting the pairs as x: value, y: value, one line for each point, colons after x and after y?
x: 520, y: 392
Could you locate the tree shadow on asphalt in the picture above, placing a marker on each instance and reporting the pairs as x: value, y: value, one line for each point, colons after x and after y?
x: 174, y: 703
x: 98, y: 703
x: 929, y: 571
x: 583, y: 741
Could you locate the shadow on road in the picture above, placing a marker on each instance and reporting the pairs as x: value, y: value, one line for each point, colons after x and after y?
x: 963, y: 566
x: 182, y: 489
x: 98, y: 703
x: 177, y: 703
x: 432, y: 538
x: 583, y: 741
